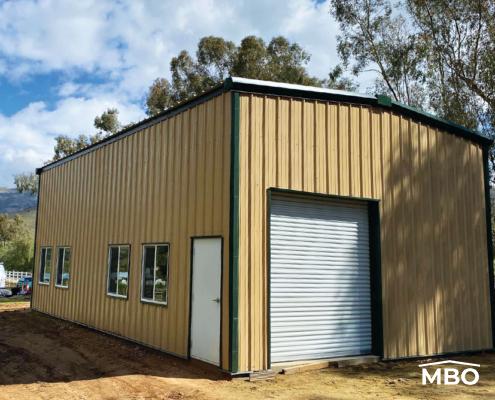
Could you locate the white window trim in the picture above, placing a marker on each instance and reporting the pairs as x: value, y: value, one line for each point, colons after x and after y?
x: 40, y: 282
x: 155, y: 245
x: 119, y: 296
x: 63, y: 257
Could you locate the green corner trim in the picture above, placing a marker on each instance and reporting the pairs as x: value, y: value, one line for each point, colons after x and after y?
x: 376, y: 278
x: 488, y: 215
x: 384, y: 100
x: 234, y: 237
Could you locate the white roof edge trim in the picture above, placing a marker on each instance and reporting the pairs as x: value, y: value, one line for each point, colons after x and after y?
x: 304, y: 88
x: 449, y: 362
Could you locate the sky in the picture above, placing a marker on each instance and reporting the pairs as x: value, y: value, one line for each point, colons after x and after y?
x: 64, y: 62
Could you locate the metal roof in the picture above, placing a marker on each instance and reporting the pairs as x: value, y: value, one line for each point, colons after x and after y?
x: 289, y: 90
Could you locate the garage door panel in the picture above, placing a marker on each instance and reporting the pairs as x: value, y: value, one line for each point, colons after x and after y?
x: 306, y: 226
x: 320, y: 302
x: 295, y: 265
x: 328, y: 352
x: 303, y: 329
x: 323, y: 235
x: 325, y: 279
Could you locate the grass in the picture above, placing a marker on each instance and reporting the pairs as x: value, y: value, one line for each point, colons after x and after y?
x: 29, y: 217
x: 15, y: 299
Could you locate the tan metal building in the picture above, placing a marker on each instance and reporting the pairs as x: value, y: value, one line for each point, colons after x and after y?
x: 263, y: 223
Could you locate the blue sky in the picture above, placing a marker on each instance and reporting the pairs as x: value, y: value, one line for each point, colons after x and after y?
x: 62, y: 63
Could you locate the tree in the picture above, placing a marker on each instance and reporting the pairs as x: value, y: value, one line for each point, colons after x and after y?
x: 11, y: 228
x: 217, y: 58
x: 18, y: 254
x: 437, y: 55
x: 462, y: 35
x: 287, y: 62
x: 374, y: 39
x: 65, y: 145
x: 16, y: 245
x: 460, y: 58
x: 337, y: 80
x: 108, y: 121
x: 26, y: 182
x: 159, y: 97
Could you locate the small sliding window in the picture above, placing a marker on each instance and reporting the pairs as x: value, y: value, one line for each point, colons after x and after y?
x: 118, y: 270
x: 45, y: 265
x: 63, y: 267
x: 155, y: 273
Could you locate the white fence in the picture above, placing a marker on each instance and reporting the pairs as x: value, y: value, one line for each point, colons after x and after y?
x: 13, y: 276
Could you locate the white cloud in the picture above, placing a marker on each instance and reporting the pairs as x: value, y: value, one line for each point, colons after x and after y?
x: 126, y: 44
x: 133, y: 41
x: 27, y: 137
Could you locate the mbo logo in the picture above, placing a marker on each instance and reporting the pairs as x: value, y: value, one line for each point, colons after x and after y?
x: 451, y: 375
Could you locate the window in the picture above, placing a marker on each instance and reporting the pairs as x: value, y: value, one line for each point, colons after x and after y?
x: 118, y: 271
x: 155, y: 273
x: 45, y: 265
x: 63, y: 267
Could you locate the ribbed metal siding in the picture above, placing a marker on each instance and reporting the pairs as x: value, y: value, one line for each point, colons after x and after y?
x: 435, y: 290
x: 163, y: 184
x: 320, y: 301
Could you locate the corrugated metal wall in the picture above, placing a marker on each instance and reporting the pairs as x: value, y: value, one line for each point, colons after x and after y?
x: 164, y: 184
x: 433, y: 233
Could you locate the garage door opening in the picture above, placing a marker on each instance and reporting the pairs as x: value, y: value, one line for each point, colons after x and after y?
x: 320, y: 278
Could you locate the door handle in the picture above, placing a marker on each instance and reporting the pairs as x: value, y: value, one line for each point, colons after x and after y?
x: 217, y: 300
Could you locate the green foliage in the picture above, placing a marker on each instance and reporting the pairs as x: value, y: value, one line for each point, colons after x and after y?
x: 438, y: 55
x: 26, y: 182
x: 159, y: 97
x: 18, y: 255
x: 217, y: 58
x: 337, y: 80
x: 65, y: 145
x: 373, y: 38
x: 431, y: 54
x: 16, y: 244
x: 11, y: 228
x: 460, y: 57
x: 108, y: 122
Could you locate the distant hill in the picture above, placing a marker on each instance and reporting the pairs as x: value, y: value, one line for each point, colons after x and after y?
x: 24, y: 204
x: 12, y: 202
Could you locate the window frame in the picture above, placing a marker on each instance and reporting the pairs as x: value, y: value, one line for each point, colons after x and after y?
x: 148, y: 301
x: 65, y: 247
x: 119, y: 245
x: 40, y: 282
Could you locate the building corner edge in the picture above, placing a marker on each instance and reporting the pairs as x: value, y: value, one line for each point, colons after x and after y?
x: 234, y: 236
x: 488, y: 215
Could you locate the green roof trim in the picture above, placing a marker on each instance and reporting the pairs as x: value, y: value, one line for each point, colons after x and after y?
x: 290, y: 90
x: 384, y: 100
x: 443, y: 123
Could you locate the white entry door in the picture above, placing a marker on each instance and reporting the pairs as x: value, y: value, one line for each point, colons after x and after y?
x: 206, y: 299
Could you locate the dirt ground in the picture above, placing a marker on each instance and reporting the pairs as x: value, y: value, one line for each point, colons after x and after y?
x: 44, y: 358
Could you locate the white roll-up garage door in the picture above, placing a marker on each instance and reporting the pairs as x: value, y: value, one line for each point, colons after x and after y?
x: 320, y: 300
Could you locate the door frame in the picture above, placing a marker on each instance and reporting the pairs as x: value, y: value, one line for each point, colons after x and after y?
x: 373, y: 206
x: 191, y: 269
